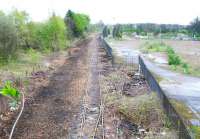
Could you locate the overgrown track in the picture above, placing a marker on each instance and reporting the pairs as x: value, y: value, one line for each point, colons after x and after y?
x: 91, y: 125
x: 70, y: 105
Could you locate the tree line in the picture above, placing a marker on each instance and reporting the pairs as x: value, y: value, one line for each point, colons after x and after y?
x: 19, y: 32
x: 193, y: 29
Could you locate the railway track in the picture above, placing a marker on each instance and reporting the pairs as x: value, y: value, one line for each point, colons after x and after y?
x: 92, y: 103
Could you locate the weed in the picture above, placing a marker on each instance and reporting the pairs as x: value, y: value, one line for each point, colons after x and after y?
x: 196, y: 131
x: 33, y: 55
x: 10, y: 91
x: 183, y: 109
x: 185, y: 68
x: 154, y: 47
x: 174, y: 60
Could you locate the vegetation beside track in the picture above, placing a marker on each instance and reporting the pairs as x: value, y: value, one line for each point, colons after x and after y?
x: 130, y: 108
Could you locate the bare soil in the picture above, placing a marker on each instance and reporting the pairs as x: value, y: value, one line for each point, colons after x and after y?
x: 53, y: 106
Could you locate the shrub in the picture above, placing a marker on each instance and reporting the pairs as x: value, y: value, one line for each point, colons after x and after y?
x: 173, y: 58
x: 186, y: 68
x: 8, y: 39
x: 52, y: 34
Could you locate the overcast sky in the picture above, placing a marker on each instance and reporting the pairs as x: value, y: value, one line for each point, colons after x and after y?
x: 112, y: 11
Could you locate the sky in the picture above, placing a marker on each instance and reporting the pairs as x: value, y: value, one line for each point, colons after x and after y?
x: 112, y: 11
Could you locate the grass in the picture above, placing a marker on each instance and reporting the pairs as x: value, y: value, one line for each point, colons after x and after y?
x: 143, y: 109
x: 182, y: 109
x: 26, y: 63
x: 150, y: 47
x: 196, y: 131
x: 174, y: 60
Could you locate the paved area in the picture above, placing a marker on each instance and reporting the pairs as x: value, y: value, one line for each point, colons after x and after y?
x: 183, y: 89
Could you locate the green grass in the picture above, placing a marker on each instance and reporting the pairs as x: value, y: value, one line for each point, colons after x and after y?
x: 196, y: 131
x: 25, y: 63
x: 150, y: 47
x: 174, y: 60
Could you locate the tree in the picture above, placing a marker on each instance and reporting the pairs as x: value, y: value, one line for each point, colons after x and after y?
x: 195, y: 27
x: 20, y: 19
x: 77, y: 23
x: 117, y: 31
x: 52, y: 34
x: 70, y: 23
x: 8, y: 39
x: 106, y: 31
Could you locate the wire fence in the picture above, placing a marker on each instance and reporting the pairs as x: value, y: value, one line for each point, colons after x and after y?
x: 178, y: 123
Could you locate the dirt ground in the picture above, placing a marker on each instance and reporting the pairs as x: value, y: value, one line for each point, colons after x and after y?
x: 53, y: 106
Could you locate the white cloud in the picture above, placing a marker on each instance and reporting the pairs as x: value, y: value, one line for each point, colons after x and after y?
x: 112, y: 11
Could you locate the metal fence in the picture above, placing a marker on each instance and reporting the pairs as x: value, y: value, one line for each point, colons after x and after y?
x: 172, y: 114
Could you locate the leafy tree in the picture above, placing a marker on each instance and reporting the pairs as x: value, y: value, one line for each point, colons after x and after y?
x: 20, y: 19
x: 117, y: 31
x: 106, y: 31
x: 8, y: 39
x: 33, y: 35
x: 145, y: 28
x: 195, y: 27
x: 70, y: 23
x: 52, y: 34
x: 77, y: 23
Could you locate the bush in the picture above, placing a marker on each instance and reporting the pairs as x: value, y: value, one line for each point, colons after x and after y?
x: 173, y: 58
x: 8, y: 39
x: 52, y: 34
x: 186, y: 68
